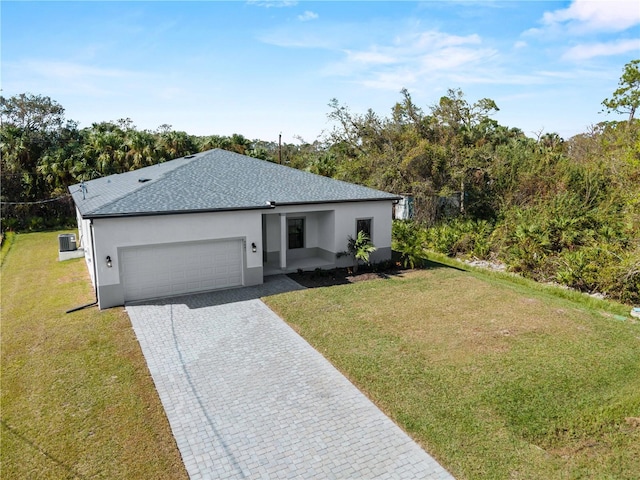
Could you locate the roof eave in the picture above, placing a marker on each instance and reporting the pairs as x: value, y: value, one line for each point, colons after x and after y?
x: 233, y: 209
x: 171, y: 212
x: 349, y: 200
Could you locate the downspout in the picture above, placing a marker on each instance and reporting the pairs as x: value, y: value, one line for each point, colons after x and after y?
x: 95, y: 274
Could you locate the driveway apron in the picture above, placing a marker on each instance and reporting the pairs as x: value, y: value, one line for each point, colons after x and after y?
x: 248, y: 398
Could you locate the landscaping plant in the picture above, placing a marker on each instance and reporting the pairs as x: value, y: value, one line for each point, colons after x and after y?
x: 359, y: 248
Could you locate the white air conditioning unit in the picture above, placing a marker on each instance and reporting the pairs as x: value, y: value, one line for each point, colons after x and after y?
x: 67, y: 242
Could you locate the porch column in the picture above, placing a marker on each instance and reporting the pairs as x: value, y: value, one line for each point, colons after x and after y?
x: 283, y: 241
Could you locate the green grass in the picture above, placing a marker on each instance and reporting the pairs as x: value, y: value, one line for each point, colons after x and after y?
x: 494, y: 378
x: 7, y: 242
x: 77, y: 400
x: 554, y: 290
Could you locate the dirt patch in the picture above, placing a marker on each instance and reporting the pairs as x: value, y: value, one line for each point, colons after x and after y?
x: 339, y: 276
x: 633, y: 421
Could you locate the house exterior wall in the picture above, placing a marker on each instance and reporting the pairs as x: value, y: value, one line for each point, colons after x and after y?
x: 330, y: 225
x: 319, y: 232
x: 85, y: 241
x: 381, y: 220
x: 112, y: 234
x: 272, y: 234
x: 328, y: 228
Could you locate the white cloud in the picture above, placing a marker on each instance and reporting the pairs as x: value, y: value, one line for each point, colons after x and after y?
x: 591, y: 50
x: 415, y: 58
x: 392, y: 81
x: 272, y: 3
x: 307, y: 15
x: 520, y: 44
x: 436, y: 39
x: 372, y: 57
x: 453, y: 58
x: 584, y: 16
x: 68, y: 70
x: 300, y: 36
x: 63, y: 76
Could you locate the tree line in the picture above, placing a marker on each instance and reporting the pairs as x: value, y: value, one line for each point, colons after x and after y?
x: 43, y: 154
x: 555, y: 210
x: 549, y: 208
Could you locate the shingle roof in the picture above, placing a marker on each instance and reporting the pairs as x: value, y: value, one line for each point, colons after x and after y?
x: 209, y: 181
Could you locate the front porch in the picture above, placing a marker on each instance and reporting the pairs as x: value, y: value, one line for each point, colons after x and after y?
x: 305, y: 264
x: 295, y: 241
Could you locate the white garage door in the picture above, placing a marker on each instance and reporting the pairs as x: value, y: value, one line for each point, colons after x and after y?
x: 173, y: 269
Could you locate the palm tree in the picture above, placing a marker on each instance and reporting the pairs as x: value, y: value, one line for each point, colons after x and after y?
x: 141, y: 149
x: 105, y: 149
x: 214, y: 141
x: 176, y: 144
x: 360, y: 248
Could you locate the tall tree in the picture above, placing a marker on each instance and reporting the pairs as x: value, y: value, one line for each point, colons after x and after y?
x: 32, y: 112
x: 175, y: 144
x: 29, y: 126
x: 466, y: 128
x: 104, y: 150
x: 58, y: 163
x: 141, y: 149
x: 626, y: 99
x: 454, y: 111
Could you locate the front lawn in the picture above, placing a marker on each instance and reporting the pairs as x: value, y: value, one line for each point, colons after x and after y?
x: 77, y: 399
x: 495, y: 379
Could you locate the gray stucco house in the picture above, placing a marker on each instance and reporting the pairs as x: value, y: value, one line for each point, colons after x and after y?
x: 218, y: 220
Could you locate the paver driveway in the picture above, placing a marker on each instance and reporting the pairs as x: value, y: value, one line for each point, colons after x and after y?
x: 247, y: 397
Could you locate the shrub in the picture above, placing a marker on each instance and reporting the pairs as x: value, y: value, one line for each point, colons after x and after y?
x: 461, y: 237
x: 36, y: 224
x: 408, y: 239
x: 621, y: 278
x: 581, y: 269
x: 360, y: 248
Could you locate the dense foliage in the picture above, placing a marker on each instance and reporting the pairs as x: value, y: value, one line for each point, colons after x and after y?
x: 551, y: 209
x: 43, y: 154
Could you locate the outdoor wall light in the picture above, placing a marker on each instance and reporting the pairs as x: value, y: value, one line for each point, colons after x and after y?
x: 254, y: 248
x: 109, y: 264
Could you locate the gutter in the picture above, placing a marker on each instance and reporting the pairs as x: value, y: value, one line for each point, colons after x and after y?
x: 268, y: 205
x: 95, y: 275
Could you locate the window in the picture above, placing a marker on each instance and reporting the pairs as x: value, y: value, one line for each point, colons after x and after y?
x: 295, y: 230
x: 364, y: 225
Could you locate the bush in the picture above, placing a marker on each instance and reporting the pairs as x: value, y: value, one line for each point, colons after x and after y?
x: 581, y: 269
x: 359, y: 248
x: 621, y: 278
x: 461, y: 237
x: 604, y: 269
x: 408, y: 239
x: 36, y: 224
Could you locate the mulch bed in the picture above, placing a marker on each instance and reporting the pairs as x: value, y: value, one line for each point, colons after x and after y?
x: 338, y: 276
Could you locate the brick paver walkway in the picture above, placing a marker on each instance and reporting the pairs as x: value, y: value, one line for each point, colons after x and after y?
x: 248, y: 398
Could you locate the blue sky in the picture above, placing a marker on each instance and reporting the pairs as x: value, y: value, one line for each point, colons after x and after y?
x: 260, y: 68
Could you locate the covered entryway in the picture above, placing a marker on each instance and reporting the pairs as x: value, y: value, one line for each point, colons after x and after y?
x: 298, y: 240
x: 153, y: 271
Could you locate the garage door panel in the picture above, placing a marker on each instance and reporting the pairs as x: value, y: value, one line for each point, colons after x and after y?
x: 173, y: 269
x: 164, y: 291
